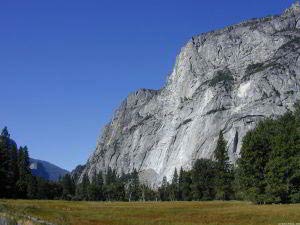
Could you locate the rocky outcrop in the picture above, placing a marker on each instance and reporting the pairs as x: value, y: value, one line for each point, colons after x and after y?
x: 76, y: 173
x: 226, y: 80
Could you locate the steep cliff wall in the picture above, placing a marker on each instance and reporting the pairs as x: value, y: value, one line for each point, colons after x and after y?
x: 222, y: 80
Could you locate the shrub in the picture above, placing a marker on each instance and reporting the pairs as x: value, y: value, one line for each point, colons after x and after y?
x: 224, y: 76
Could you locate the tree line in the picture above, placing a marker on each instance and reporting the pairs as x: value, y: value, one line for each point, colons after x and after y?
x: 208, y: 180
x: 268, y: 171
x: 16, y: 179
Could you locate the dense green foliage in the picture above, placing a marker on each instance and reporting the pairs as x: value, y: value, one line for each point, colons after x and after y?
x: 107, y: 187
x: 15, y: 176
x: 269, y: 167
x: 224, y: 171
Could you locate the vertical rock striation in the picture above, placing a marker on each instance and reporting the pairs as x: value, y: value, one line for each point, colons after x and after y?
x: 227, y: 80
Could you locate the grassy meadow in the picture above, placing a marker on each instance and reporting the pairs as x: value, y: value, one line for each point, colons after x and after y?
x: 154, y: 213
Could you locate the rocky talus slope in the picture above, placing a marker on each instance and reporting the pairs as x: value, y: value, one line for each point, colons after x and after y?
x: 227, y: 80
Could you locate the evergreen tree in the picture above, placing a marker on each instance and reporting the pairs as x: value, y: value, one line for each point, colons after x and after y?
x: 147, y: 193
x: 5, y: 133
x: 270, y: 161
x: 186, y: 186
x: 14, y: 168
x: 23, y: 161
x: 82, y: 188
x: 114, y: 187
x: 109, y: 187
x: 174, y: 187
x: 99, y: 182
x: 119, y: 194
x: 203, y: 180
x: 32, y: 187
x: 255, y: 154
x: 4, y: 162
x: 180, y: 184
x: 24, y: 172
x: 15, y: 175
x: 163, y: 190
x: 297, y: 116
x: 68, y: 187
x: 224, y: 170
x: 8, y: 165
x: 95, y: 189
x: 42, y: 188
x: 133, y: 187
x: 54, y: 190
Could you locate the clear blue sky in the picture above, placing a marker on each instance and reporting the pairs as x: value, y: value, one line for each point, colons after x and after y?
x: 66, y: 65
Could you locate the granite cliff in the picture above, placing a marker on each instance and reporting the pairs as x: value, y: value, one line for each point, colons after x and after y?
x: 227, y: 80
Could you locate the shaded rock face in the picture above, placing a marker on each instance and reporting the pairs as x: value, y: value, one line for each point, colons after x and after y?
x: 46, y: 170
x: 76, y: 173
x: 225, y: 80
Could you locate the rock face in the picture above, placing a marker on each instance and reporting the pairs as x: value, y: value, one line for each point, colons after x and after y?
x: 46, y: 170
x: 225, y: 80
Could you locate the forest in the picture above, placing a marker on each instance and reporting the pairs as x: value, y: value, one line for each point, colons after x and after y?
x: 268, y: 171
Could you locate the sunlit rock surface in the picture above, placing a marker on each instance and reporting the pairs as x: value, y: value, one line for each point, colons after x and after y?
x: 225, y: 80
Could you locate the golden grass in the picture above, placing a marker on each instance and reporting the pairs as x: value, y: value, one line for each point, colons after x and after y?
x: 155, y: 213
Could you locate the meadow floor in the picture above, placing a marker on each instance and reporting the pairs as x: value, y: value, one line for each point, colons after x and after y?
x: 155, y: 213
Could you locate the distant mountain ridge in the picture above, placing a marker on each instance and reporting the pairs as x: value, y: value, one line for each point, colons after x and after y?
x: 46, y: 170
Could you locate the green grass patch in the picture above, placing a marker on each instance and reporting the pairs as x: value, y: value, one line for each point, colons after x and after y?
x: 156, y: 213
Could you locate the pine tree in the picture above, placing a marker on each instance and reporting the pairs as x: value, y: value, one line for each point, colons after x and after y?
x: 82, y: 188
x: 268, y: 170
x: 95, y: 189
x: 4, y: 162
x: 32, y: 187
x: 109, y: 187
x: 297, y: 115
x: 5, y: 133
x: 174, y: 187
x: 24, y: 172
x: 255, y: 153
x: 134, y: 186
x: 14, y: 170
x: 98, y: 182
x: 224, y: 173
x: 175, y: 177
x: 42, y: 188
x: 186, y: 188
x: 68, y: 186
x: 163, y: 190
x: 203, y: 180
x: 180, y: 184
x: 147, y: 193
x: 8, y: 165
x: 119, y: 190
x: 23, y: 161
x: 294, y: 159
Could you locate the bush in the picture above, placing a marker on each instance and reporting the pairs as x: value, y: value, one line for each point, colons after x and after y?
x: 224, y: 76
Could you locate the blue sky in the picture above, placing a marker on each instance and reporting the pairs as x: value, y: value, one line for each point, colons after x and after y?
x: 66, y: 65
